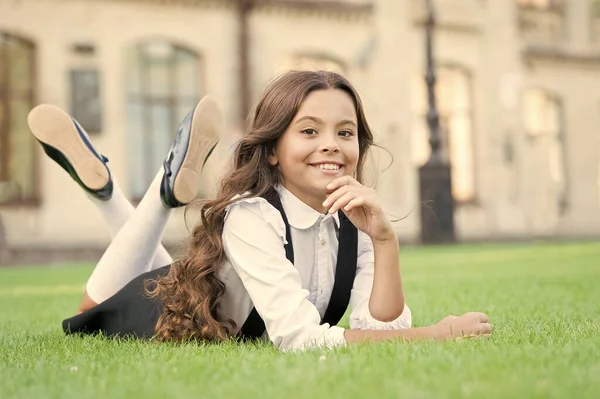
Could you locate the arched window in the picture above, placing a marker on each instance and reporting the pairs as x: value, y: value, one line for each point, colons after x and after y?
x: 164, y: 82
x: 454, y: 103
x: 312, y: 62
x: 543, y: 119
x: 18, y: 184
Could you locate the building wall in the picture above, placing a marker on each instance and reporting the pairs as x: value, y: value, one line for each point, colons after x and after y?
x: 382, y: 52
x: 66, y: 217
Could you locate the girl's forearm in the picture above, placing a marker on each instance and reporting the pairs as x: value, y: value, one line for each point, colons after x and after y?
x: 408, y: 334
x: 387, y: 297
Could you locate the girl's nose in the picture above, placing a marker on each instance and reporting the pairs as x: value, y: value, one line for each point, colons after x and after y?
x: 329, y: 145
x: 330, y: 149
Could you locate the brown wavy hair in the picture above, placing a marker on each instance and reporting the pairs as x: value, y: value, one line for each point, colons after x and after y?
x: 192, y: 291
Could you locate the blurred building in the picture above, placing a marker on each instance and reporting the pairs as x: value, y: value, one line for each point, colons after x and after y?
x: 518, y: 92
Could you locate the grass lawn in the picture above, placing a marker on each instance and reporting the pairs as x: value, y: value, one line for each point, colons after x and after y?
x: 543, y: 300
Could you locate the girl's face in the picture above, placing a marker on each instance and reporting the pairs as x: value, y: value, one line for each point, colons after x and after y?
x: 320, y: 145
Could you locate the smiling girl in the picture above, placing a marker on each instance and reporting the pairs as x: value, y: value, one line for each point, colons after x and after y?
x: 290, y: 240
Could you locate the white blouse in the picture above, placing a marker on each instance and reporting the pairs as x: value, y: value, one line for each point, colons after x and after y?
x: 292, y: 298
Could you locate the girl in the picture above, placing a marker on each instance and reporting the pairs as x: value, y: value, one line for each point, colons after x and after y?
x: 291, y: 239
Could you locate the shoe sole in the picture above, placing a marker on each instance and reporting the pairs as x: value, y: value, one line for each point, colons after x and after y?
x: 54, y: 127
x: 207, y: 125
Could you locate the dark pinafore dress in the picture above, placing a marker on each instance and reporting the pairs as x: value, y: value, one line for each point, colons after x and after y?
x: 132, y: 313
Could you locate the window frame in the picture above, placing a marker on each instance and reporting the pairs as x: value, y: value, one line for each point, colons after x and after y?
x: 30, y: 94
x: 560, y: 136
x: 445, y: 130
x: 147, y: 100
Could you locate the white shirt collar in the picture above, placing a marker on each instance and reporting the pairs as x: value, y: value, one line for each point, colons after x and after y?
x: 300, y: 215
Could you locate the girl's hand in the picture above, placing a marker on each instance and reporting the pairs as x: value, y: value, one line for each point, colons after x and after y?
x: 469, y: 325
x: 361, y: 206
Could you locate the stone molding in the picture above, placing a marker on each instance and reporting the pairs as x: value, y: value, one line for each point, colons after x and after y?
x: 534, y: 53
x: 303, y: 6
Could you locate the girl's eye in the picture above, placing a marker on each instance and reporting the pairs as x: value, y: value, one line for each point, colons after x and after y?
x: 309, y: 131
x: 346, y: 133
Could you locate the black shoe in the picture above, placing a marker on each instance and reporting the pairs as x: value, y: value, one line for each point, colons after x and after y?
x: 65, y: 141
x: 197, y: 136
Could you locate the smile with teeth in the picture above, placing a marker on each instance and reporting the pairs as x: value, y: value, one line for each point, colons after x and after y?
x: 328, y: 166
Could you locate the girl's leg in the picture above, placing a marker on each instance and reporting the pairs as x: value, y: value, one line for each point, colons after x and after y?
x: 66, y: 142
x: 133, y: 248
x: 117, y: 211
x: 137, y: 233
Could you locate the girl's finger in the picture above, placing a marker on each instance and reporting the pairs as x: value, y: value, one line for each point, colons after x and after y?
x: 334, y: 196
x: 341, y: 202
x: 486, y: 328
x: 341, y: 181
x: 481, y: 317
x: 354, y: 203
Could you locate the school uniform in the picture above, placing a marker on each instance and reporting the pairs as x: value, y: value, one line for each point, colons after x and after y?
x: 265, y: 289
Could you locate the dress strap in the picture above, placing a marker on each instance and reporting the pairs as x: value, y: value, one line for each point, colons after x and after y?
x: 345, y: 272
x: 254, y: 326
x: 347, y: 258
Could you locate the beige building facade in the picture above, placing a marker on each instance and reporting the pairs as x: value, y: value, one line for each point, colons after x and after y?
x: 518, y: 93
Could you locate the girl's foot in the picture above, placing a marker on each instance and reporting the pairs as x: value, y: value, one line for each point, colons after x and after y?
x: 197, y: 136
x: 66, y: 142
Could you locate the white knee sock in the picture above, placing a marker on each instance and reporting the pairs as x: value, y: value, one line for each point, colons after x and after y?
x: 116, y: 212
x: 133, y: 247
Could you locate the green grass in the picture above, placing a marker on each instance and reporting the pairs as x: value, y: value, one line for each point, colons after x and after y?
x: 543, y: 300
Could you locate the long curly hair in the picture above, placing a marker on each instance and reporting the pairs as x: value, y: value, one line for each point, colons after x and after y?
x: 192, y: 291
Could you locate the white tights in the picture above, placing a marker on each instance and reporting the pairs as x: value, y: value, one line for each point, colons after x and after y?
x: 136, y: 240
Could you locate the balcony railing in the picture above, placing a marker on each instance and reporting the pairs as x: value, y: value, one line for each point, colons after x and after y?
x: 459, y: 14
x: 542, y: 25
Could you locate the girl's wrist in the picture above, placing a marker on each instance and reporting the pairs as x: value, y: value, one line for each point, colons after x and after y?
x: 385, y: 238
x: 434, y: 332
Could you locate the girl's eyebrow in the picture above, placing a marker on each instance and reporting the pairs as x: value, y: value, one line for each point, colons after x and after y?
x: 319, y: 121
x: 347, y: 122
x: 310, y: 118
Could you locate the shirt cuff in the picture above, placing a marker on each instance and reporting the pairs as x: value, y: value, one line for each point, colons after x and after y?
x: 332, y: 337
x: 364, y: 321
x: 335, y: 337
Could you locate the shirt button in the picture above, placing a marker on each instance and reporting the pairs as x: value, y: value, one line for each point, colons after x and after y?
x: 323, y: 242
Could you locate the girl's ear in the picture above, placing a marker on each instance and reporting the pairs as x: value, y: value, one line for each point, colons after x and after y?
x: 273, y: 161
